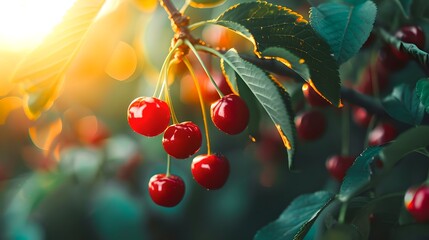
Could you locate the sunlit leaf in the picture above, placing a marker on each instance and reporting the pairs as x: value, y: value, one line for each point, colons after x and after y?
x: 7, y: 105
x: 230, y: 76
x: 344, y: 27
x: 44, y: 133
x: 254, y: 20
x: 404, y: 105
x: 408, y: 142
x: 422, y: 92
x: 41, y: 72
x: 271, y: 95
x: 297, y: 219
x: 206, y: 3
x: 123, y: 62
x: 359, y: 174
x: 146, y: 5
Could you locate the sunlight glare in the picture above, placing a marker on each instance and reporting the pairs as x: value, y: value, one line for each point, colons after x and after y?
x: 24, y: 23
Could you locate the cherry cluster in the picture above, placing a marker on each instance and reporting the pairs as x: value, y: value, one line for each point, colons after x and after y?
x: 150, y: 116
x: 374, y: 80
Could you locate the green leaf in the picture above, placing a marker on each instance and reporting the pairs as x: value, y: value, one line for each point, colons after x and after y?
x: 294, y: 62
x: 358, y: 175
x: 271, y: 95
x: 297, y: 218
x: 230, y: 76
x: 422, y: 92
x: 267, y: 25
x: 344, y: 27
x: 41, y: 73
x: 404, y: 105
x: 255, y: 116
x: 421, y: 56
x: 408, y: 142
x: 420, y: 9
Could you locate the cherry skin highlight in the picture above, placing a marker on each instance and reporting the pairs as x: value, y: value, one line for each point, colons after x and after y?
x: 310, y: 125
x: 381, y: 134
x: 417, y: 202
x: 338, y: 165
x: 166, y: 191
x: 230, y: 114
x: 182, y: 140
x: 148, y: 116
x: 210, y: 171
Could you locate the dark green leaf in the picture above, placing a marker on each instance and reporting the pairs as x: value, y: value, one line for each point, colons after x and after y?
x: 344, y: 27
x: 255, y: 116
x: 297, y: 218
x: 404, y: 105
x: 254, y: 20
x: 409, y: 141
x: 421, y: 56
x: 341, y: 232
x: 271, y: 95
x: 294, y: 62
x: 422, y: 92
x: 358, y: 175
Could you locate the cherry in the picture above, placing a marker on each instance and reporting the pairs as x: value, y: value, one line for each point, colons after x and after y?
x: 361, y: 116
x: 366, y: 84
x: 210, y: 171
x: 409, y: 34
x: 182, y: 140
x: 381, y: 134
x: 230, y: 114
x: 338, y: 165
x: 417, y: 202
x: 313, y: 98
x: 166, y: 191
x: 310, y: 125
x: 148, y: 116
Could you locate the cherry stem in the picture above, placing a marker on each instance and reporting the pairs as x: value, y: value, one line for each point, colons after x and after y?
x: 168, y: 165
x: 168, y: 96
x: 164, y: 65
x: 368, y: 130
x: 185, y: 6
x: 345, y: 147
x: 191, y: 46
x: 343, y: 212
x: 200, y: 96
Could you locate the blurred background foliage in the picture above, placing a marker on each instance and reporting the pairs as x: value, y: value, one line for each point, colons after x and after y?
x: 79, y: 172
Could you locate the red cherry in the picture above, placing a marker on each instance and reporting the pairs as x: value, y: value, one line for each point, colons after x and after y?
x: 166, y: 191
x: 310, y: 125
x: 381, y: 134
x: 230, y: 114
x: 148, y: 116
x: 361, y: 116
x: 182, y: 140
x: 210, y: 171
x: 313, y: 98
x: 338, y: 165
x: 409, y: 34
x: 366, y: 84
x: 417, y: 202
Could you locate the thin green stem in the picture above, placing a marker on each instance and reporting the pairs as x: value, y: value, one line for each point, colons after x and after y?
x: 198, y: 24
x: 168, y: 96
x: 164, y: 65
x: 191, y: 46
x: 168, y: 165
x: 343, y: 211
x: 185, y: 6
x: 200, y: 96
x: 368, y: 130
x: 345, y: 147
